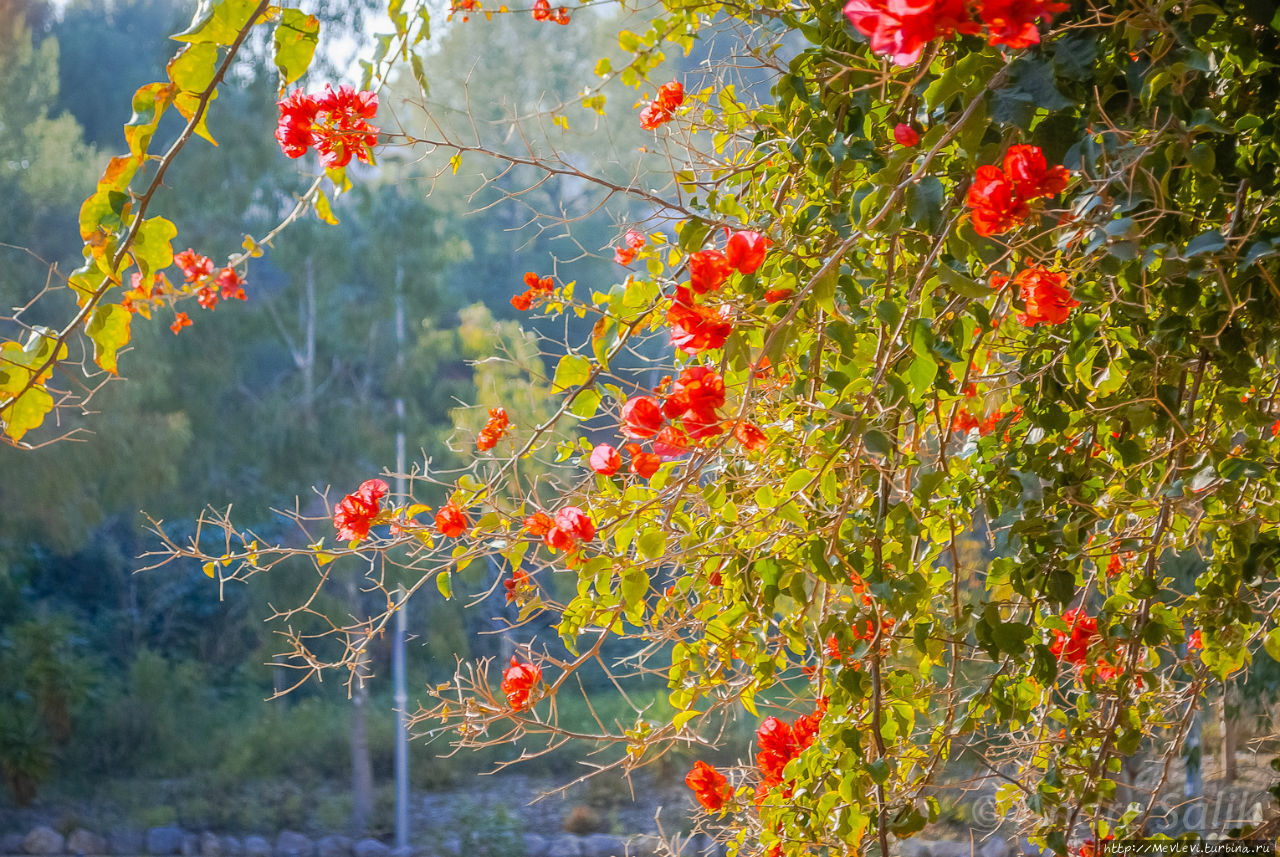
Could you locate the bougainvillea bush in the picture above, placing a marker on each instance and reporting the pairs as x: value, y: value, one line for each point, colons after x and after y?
x: 1003, y: 271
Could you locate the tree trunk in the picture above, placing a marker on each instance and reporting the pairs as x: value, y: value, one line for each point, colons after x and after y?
x: 1227, y: 719
x: 361, y: 766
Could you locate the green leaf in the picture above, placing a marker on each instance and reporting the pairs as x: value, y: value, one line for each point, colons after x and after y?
x: 924, y: 203
x: 444, y: 583
x: 27, y: 412
x: 635, y: 585
x: 295, y: 44
x: 153, y: 246
x: 652, y: 544
x: 1206, y: 242
x: 218, y: 21
x: 193, y: 67
x: 962, y: 284
x: 149, y: 103
x: 109, y: 329
x: 573, y: 370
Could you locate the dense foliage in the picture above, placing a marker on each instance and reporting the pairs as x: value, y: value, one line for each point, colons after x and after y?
x: 1004, y: 269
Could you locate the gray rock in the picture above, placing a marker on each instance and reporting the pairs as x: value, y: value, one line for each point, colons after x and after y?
x: 370, y: 848
x: 995, y: 846
x: 164, y: 840
x: 82, y: 841
x: 566, y: 845
x: 603, y: 845
x: 231, y: 847
x: 190, y: 845
x: 333, y: 846
x: 43, y: 840
x: 256, y: 846
x: 646, y: 845
x: 126, y: 843
x: 290, y: 843
x: 11, y: 843
x: 950, y: 849
x: 536, y: 846
x: 211, y: 845
x: 403, y: 851
x: 449, y: 846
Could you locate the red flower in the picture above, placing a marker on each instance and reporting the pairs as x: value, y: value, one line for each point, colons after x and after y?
x: 1031, y: 176
x: 633, y: 239
x: 513, y: 584
x: 493, y: 429
x: 194, y: 266
x: 624, y: 255
x: 643, y: 464
x: 517, y: 682
x: 708, y: 269
x: 535, y: 287
x: 963, y: 422
x: 1073, y: 645
x: 538, y: 524
x: 696, y: 328
x: 641, y: 417
x: 334, y: 122
x: 355, y: 512
x: 207, y: 297
x: 996, y: 206
x: 749, y: 436
x: 451, y: 521
x: 572, y: 527
x: 605, y: 460
x: 1194, y: 643
x: 775, y: 295
x: 663, y: 107
x: 905, y: 135
x: 522, y: 301
x: 777, y: 747
x: 670, y: 95
x: 900, y: 28
x: 1045, y: 295
x: 671, y: 442
x: 744, y: 251
x: 541, y: 10
x: 710, y: 787
x: 231, y: 284
x: 561, y: 16
x: 1114, y: 566
x: 1012, y: 23
x: 180, y: 321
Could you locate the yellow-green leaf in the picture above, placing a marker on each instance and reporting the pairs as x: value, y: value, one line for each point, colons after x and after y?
x: 572, y: 371
x: 295, y: 44
x: 26, y: 412
x: 218, y: 21
x: 153, y: 246
x: 109, y: 329
x: 192, y: 68
x: 323, y: 210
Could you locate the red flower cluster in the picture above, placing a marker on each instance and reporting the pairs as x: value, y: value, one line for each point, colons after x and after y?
x: 905, y: 135
x: 535, y: 287
x: 355, y: 512
x: 518, y: 680
x: 964, y: 422
x: 180, y: 320
x: 451, y: 521
x: 1073, y: 645
x: 710, y: 787
x: 335, y: 123
x: 1045, y: 295
x: 901, y: 28
x: 663, y: 107
x: 694, y: 400
x: 632, y: 241
x: 542, y: 12
x: 195, y: 267
x: 780, y: 742
x: 999, y: 197
x: 569, y: 529
x: 493, y: 430
x: 696, y: 328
